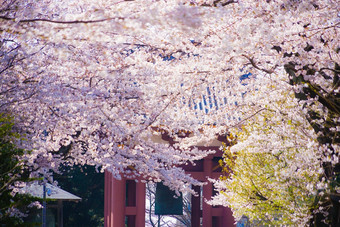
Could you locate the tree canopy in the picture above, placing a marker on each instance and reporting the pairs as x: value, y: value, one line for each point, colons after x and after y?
x: 94, y: 82
x: 13, y: 176
x: 273, y: 164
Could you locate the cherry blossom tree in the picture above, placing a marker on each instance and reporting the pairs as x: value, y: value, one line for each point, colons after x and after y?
x: 97, y: 82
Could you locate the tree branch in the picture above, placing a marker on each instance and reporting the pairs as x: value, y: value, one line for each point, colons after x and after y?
x: 61, y: 22
x: 219, y: 3
x: 252, y: 62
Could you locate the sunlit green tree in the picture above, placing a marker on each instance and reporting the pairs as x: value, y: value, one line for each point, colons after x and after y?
x: 273, y: 163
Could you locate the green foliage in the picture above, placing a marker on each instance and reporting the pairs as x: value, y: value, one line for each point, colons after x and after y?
x: 88, y: 184
x: 273, y: 168
x: 268, y: 198
x: 12, y: 171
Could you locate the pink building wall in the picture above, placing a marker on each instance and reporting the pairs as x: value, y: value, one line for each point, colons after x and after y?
x: 119, y: 206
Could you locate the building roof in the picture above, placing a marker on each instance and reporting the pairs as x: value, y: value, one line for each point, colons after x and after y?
x: 52, y: 192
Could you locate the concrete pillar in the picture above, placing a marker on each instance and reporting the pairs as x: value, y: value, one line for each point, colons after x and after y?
x: 228, y: 219
x: 114, y: 201
x: 207, y: 193
x: 196, y: 207
x: 140, y: 204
